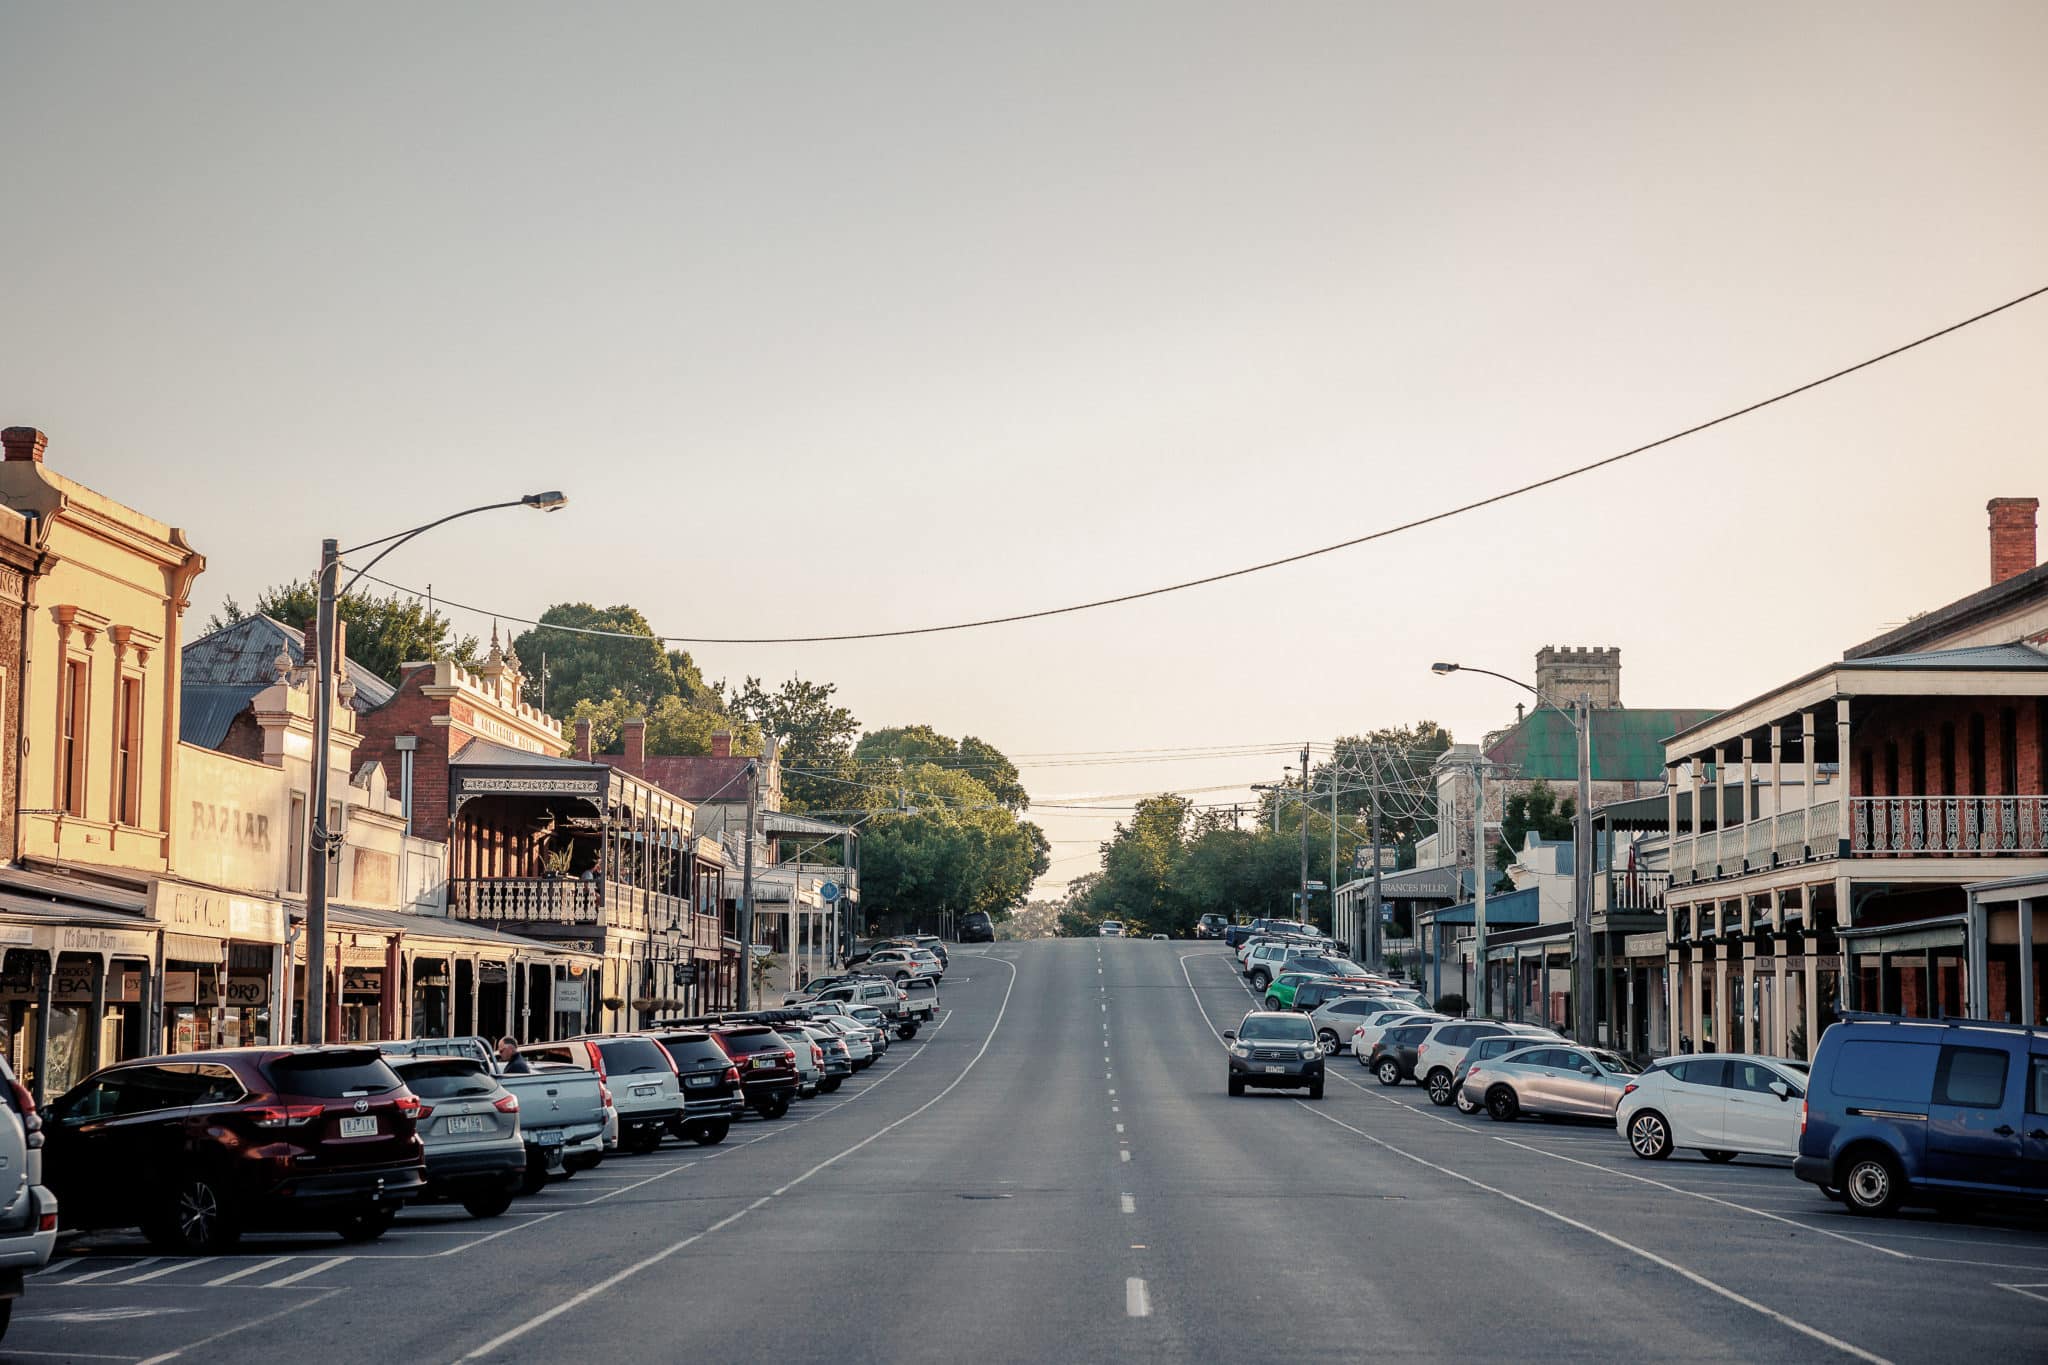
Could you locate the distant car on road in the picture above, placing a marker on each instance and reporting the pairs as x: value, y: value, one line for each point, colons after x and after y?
x: 1111, y: 928
x: 1273, y: 1049
x: 977, y: 927
x: 1211, y: 927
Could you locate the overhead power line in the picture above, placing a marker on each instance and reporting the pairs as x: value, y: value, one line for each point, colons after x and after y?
x: 1381, y: 534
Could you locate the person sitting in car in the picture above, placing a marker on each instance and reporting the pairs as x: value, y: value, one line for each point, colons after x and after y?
x: 510, y: 1062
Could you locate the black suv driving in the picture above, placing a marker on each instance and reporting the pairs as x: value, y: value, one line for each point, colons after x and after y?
x: 1211, y: 926
x: 1275, y: 1048
x: 977, y: 927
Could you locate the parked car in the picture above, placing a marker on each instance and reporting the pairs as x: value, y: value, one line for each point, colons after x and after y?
x: 1908, y: 1111
x: 1441, y: 1052
x: 471, y: 1046
x: 808, y: 1056
x: 878, y: 1027
x: 936, y: 946
x: 28, y: 1210
x: 469, y: 1126
x: 1336, y: 1010
x: 1723, y: 1105
x: 565, y: 1113
x: 899, y: 963
x: 1211, y: 927
x: 767, y: 1066
x: 1269, y: 1048
x: 888, y: 998
x: 1582, y: 1082
x: 1485, y: 1050
x: 860, y: 1048
x: 1111, y: 928
x: 1392, y: 1058
x: 1280, y: 994
x: 194, y: 1149
x: 977, y: 927
x: 1368, y: 1034
x: 837, y: 1060
x: 712, y: 1098
x: 640, y: 1074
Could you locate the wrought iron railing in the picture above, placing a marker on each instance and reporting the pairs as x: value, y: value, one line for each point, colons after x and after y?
x: 1976, y: 825
x: 564, y: 900
x: 1637, y: 892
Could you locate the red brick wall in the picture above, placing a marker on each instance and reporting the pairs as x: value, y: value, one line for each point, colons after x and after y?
x: 410, y: 712
x: 1900, y: 720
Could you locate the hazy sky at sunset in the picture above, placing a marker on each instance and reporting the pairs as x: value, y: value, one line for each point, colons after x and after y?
x: 850, y: 316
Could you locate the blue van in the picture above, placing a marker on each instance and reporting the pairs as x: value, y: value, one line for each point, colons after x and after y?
x: 1918, y: 1111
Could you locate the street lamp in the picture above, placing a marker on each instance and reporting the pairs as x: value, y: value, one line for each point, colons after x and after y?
x: 317, y: 847
x: 1580, y: 716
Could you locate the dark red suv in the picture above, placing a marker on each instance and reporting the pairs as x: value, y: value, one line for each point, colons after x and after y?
x: 767, y: 1066
x: 194, y: 1149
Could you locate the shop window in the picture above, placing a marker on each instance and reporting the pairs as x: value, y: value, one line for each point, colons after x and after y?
x: 128, y: 754
x: 295, y: 846
x: 71, y: 748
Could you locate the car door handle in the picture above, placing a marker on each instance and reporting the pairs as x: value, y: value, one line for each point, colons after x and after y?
x: 2040, y: 1133
x: 2003, y: 1130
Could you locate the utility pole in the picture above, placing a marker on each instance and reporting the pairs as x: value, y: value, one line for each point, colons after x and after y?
x: 1333, y: 845
x: 747, y: 899
x: 1585, y: 1012
x: 1303, y: 907
x: 1373, y: 950
x: 1479, y: 886
x: 323, y: 746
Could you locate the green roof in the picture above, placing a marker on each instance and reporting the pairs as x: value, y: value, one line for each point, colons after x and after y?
x: 1628, y: 743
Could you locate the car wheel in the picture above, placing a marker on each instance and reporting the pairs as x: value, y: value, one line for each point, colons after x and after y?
x: 1273, y: 1003
x: 906, y: 1031
x: 1649, y: 1136
x: 1315, y: 1088
x: 641, y: 1141
x: 195, y: 1221
x: 1717, y: 1156
x: 1466, y: 1104
x: 1389, y: 1071
x: 536, y: 1178
x: 1236, y: 1086
x: 367, y: 1225
x: 1502, y: 1106
x: 1260, y: 981
x: 710, y: 1134
x: 1328, y: 1039
x: 773, y: 1108
x: 1870, y: 1184
x: 488, y: 1205
x: 1439, y: 1087
x: 830, y: 1084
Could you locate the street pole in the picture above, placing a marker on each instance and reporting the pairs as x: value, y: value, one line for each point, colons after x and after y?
x: 1333, y: 847
x: 1585, y: 1010
x: 747, y: 902
x: 317, y: 851
x: 1373, y: 949
x: 1303, y: 906
x: 1479, y: 887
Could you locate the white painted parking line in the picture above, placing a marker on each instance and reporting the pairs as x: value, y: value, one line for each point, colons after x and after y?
x: 263, y: 1321
x: 1130, y: 1204
x: 1137, y: 1299
x: 170, y: 1269
x: 2030, y: 1291
x: 247, y: 1271
x: 1119, y: 1127
x: 91, y: 1275
x: 309, y: 1272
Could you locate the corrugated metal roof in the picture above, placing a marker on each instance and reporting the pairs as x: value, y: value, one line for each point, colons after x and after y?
x: 1516, y: 907
x: 245, y: 654
x: 2023, y: 656
x: 436, y: 926
x: 206, y: 710
x: 484, y: 753
x: 1628, y: 743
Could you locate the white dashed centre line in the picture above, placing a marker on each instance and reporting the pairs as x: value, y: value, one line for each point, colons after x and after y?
x: 1129, y: 1203
x: 1137, y: 1300
x: 1124, y: 1155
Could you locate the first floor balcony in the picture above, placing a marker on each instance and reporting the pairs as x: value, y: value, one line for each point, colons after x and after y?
x: 568, y: 901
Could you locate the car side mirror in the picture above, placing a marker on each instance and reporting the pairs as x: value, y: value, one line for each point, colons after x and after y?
x: 1781, y: 1090
x: 1588, y: 1071
x: 1230, y: 1035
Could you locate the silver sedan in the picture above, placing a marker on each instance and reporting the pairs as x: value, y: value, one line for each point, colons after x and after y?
x: 1579, y: 1082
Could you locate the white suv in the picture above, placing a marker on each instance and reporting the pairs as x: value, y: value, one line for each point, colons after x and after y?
x: 1111, y: 928
x: 1441, y: 1053
x: 28, y: 1211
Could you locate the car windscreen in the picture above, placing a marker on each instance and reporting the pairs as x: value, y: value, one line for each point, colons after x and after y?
x: 332, y: 1075
x: 1283, y: 1028
x: 1618, y: 1064
x: 695, y: 1050
x: 631, y: 1056
x: 447, y: 1079
x: 744, y: 1042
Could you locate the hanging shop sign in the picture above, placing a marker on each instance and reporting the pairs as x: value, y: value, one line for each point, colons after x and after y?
x: 120, y: 942
x: 568, y: 997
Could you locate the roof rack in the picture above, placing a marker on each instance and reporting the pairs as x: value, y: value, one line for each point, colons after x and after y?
x: 1945, y: 1021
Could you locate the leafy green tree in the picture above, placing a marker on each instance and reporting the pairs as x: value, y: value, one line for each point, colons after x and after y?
x: 987, y: 764
x: 938, y: 841
x: 593, y: 667
x: 383, y: 632
x: 674, y: 726
x: 817, y: 739
x: 1535, y: 811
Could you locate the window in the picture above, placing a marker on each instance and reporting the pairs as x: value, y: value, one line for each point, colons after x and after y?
x: 1977, y: 779
x: 1752, y: 1076
x: 1971, y: 1077
x: 1701, y: 1072
x: 71, y: 738
x: 128, y: 754
x: 295, y: 845
x: 2037, y: 1091
x: 1871, y: 1070
x: 2008, y: 751
x: 1570, y: 1061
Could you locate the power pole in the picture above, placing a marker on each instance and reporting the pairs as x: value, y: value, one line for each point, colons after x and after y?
x: 1303, y: 907
x: 1333, y: 846
x: 1585, y: 1012
x: 319, y: 848
x: 747, y: 900
x: 1373, y: 950
x: 1479, y: 887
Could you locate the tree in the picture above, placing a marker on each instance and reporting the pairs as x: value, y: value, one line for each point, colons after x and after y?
x: 1535, y: 811
x: 937, y: 841
x: 593, y: 667
x: 674, y: 726
x: 817, y: 739
x: 383, y: 632
x: 987, y: 764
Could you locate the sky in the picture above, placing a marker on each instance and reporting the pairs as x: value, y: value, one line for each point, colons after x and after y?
x: 861, y: 317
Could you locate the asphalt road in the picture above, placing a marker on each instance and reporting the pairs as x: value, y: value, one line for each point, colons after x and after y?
x: 1056, y: 1174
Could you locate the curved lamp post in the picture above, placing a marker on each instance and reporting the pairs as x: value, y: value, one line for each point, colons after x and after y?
x: 320, y: 847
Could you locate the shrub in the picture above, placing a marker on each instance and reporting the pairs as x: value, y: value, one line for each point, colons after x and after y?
x: 1452, y: 1004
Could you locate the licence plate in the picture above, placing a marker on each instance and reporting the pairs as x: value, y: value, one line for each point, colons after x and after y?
x: 547, y: 1139
x: 359, y: 1127
x: 469, y: 1123
x: 1275, y: 1070
x: 700, y: 1080
x: 762, y: 1062
x: 646, y: 1092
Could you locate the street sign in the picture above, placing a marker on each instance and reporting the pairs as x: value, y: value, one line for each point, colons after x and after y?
x: 1316, y: 886
x: 830, y: 891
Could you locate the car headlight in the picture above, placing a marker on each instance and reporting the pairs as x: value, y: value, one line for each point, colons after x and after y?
x: 1311, y: 1050
x: 1240, y: 1050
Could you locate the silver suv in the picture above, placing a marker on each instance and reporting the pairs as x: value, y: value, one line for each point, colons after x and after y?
x: 28, y: 1211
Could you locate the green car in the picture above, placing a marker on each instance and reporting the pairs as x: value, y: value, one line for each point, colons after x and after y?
x: 1280, y: 995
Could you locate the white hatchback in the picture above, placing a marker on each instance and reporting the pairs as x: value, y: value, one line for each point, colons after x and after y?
x: 1723, y: 1105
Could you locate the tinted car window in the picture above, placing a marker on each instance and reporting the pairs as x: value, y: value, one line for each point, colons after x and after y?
x: 1872, y: 1070
x: 1752, y: 1076
x: 447, y: 1080
x: 2037, y: 1091
x: 216, y: 1085
x: 1701, y: 1072
x: 332, y: 1075
x: 631, y: 1056
x: 745, y: 1042
x: 695, y: 1051
x: 1291, y: 1027
x: 1971, y: 1076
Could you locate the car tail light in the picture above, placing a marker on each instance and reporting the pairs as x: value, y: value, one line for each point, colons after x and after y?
x: 506, y: 1104
x: 31, y: 1121
x: 1628, y: 1090
x: 285, y: 1115
x: 1802, y: 1118
x: 732, y: 1075
x: 817, y: 1055
x: 47, y: 1223
x: 409, y: 1105
x: 596, y: 1060
x: 604, y: 1094
x: 425, y: 1112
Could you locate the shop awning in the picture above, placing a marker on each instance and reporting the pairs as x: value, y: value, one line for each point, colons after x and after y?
x: 194, y: 948
x: 1949, y: 931
x: 459, y: 935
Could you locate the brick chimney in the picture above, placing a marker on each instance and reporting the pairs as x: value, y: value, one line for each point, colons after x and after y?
x: 2012, y: 534
x: 585, y: 750
x: 636, y: 742
x: 24, y: 443
x: 721, y: 744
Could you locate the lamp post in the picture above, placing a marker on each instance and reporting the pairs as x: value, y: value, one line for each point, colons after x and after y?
x: 1581, y: 718
x: 319, y: 848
